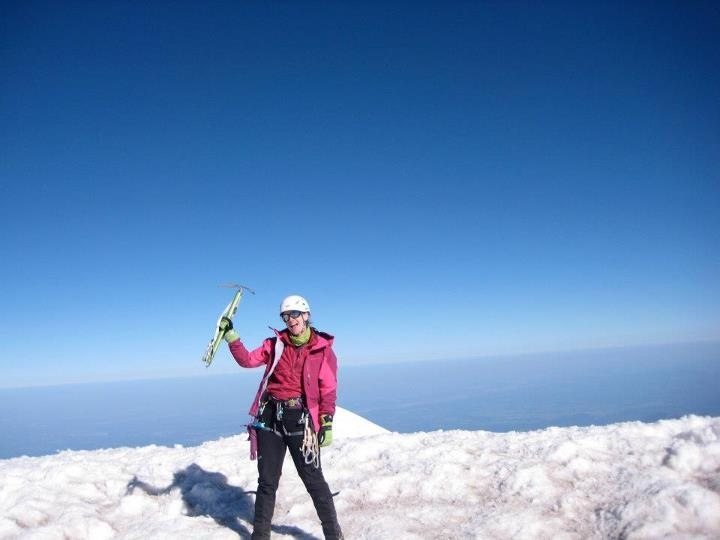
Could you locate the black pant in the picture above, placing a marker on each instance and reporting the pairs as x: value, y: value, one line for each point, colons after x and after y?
x: 272, y: 444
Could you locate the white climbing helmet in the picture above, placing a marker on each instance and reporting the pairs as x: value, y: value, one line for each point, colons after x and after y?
x: 294, y: 302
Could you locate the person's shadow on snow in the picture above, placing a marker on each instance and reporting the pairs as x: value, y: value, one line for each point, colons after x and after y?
x: 209, y: 494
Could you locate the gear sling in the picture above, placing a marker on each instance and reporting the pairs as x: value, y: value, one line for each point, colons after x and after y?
x: 310, y: 446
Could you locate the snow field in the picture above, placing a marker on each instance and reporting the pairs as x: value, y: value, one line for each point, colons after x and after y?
x: 629, y: 480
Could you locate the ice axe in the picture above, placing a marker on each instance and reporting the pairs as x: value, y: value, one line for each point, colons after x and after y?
x: 228, y: 312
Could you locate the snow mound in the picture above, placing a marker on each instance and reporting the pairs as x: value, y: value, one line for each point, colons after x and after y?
x: 348, y: 425
x: 630, y: 480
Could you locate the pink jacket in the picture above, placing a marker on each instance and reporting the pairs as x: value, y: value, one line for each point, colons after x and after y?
x: 319, y: 380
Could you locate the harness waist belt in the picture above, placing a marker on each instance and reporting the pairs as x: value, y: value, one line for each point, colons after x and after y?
x: 292, y: 403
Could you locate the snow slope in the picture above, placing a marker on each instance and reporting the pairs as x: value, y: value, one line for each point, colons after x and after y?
x: 629, y: 480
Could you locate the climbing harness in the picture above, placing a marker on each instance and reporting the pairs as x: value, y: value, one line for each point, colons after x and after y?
x: 310, y: 446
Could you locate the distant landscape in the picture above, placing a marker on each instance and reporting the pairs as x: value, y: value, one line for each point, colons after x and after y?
x: 499, y: 394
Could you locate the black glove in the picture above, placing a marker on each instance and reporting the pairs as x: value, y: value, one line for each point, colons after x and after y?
x: 225, y: 324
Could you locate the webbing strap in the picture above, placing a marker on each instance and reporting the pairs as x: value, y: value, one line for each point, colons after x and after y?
x: 279, y: 348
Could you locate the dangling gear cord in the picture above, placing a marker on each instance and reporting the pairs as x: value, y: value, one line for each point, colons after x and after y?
x: 310, y: 447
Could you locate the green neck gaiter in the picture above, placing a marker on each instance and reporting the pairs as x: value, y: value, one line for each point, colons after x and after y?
x: 302, y: 339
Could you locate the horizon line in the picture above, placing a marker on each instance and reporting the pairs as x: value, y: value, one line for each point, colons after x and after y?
x: 507, y: 355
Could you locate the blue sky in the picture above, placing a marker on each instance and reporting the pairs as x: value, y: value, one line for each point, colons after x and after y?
x: 439, y: 180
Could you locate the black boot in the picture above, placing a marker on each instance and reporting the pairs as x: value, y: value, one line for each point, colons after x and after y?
x: 332, y: 531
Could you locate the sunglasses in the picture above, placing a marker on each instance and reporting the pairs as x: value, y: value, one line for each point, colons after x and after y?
x: 290, y: 314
